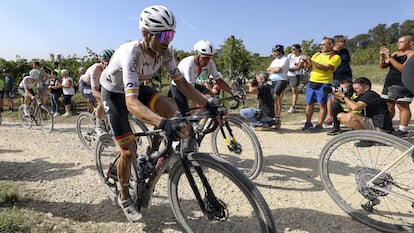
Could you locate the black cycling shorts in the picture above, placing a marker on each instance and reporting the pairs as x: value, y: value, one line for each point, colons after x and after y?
x: 181, y: 100
x: 117, y: 111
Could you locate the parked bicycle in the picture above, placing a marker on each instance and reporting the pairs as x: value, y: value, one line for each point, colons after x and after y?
x: 206, y: 192
x: 232, y: 139
x: 39, y: 116
x: 238, y: 84
x: 370, y: 175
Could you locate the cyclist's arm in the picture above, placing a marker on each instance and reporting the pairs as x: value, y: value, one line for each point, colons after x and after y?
x: 96, y: 75
x: 188, y: 90
x: 183, y: 85
x: 224, y: 86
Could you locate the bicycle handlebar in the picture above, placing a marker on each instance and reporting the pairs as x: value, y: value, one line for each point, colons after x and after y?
x: 183, y: 121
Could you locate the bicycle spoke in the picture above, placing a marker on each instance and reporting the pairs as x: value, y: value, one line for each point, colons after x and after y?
x: 228, y: 208
x: 346, y: 169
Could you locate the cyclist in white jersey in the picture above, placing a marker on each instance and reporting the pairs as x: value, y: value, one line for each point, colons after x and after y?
x: 26, y: 91
x: 193, y: 67
x: 132, y: 63
x: 91, y: 78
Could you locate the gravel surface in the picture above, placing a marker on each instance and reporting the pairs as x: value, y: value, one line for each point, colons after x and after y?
x: 67, y: 189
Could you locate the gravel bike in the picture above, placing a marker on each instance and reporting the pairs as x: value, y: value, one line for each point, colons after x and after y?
x: 370, y: 175
x: 231, y: 139
x: 206, y: 192
x: 238, y: 84
x: 39, y: 116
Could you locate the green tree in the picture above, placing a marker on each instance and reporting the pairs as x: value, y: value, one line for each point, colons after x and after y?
x: 233, y: 57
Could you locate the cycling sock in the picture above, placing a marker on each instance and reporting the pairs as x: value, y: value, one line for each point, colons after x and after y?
x: 402, y: 128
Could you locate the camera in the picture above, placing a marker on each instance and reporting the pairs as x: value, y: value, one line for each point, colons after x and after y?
x: 253, y: 82
x: 348, y: 91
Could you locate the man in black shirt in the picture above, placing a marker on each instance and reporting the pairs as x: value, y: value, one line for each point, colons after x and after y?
x: 374, y: 115
x: 260, y: 118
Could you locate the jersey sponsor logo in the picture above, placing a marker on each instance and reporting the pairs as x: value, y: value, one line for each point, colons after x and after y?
x: 131, y: 85
x: 174, y: 71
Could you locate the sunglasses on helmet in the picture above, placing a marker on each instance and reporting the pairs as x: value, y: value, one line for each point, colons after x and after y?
x: 163, y: 36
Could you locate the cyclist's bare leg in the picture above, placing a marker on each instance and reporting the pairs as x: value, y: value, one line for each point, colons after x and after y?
x: 89, y: 105
x: 100, y: 111
x: 124, y: 167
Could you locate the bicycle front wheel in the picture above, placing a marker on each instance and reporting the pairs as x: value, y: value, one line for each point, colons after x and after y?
x: 44, y: 118
x: 352, y: 159
x: 243, y: 150
x: 85, y: 128
x: 234, y: 205
x: 24, y: 119
x: 107, y: 158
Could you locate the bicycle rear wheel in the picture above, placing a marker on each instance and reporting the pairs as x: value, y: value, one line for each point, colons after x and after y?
x: 24, y: 119
x: 238, y: 205
x: 243, y: 151
x: 350, y: 160
x: 85, y: 128
x: 45, y: 119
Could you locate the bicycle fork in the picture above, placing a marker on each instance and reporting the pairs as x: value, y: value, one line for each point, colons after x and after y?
x: 231, y: 143
x: 211, y: 206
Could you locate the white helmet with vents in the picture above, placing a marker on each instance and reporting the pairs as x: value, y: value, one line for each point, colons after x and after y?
x: 204, y: 48
x: 157, y: 19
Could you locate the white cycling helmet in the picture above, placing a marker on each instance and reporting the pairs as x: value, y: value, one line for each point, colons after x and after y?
x: 157, y: 19
x: 204, y: 48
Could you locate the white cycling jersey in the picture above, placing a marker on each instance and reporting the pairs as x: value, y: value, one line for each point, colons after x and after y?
x: 189, y: 68
x: 92, y: 75
x: 28, y: 82
x: 130, y: 65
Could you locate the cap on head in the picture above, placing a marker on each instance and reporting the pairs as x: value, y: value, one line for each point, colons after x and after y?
x: 157, y: 19
x: 279, y: 48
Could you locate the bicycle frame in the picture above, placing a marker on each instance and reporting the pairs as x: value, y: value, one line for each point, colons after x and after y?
x: 162, y: 161
x: 208, y: 128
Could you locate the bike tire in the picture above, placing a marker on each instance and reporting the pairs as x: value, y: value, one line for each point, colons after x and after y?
x: 245, y: 206
x: 246, y: 153
x: 25, y: 120
x: 85, y: 128
x: 345, y: 167
x: 45, y: 118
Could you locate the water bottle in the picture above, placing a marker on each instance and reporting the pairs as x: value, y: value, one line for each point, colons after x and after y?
x: 144, y: 167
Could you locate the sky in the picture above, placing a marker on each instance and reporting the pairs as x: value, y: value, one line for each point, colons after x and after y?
x: 35, y: 29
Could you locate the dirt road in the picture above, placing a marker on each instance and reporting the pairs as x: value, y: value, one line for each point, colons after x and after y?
x: 67, y: 191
